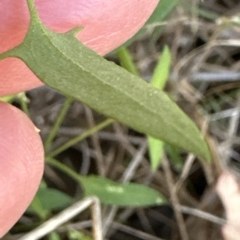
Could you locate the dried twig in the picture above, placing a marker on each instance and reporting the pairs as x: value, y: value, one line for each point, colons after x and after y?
x: 68, y: 214
x: 174, y: 199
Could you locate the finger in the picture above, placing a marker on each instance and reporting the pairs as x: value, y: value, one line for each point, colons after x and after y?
x: 228, y: 189
x: 21, y: 164
x: 107, y: 24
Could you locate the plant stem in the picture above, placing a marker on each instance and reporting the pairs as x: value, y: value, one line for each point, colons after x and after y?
x: 64, y: 168
x: 23, y: 102
x: 57, y: 123
x: 81, y: 137
x: 32, y: 10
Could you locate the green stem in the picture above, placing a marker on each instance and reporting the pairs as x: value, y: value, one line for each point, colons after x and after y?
x: 32, y: 10
x: 81, y: 137
x: 58, y: 123
x: 64, y: 168
x: 23, y: 102
x: 9, y: 53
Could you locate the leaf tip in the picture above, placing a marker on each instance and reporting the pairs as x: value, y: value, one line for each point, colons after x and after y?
x: 204, y: 152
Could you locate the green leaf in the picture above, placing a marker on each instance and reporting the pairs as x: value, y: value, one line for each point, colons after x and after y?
x: 126, y: 61
x: 65, y: 64
x: 37, y: 208
x: 159, y: 79
x: 109, y: 192
x: 175, y: 157
x: 73, y: 234
x: 54, y: 236
x: 47, y: 200
x: 127, y: 194
x: 163, y: 9
x: 155, y: 152
x: 52, y: 199
x: 162, y: 70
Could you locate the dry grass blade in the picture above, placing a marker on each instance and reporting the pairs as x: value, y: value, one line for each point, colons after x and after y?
x: 66, y: 215
x: 202, y: 214
x: 174, y: 199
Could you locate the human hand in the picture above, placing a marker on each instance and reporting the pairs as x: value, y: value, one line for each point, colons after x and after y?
x: 106, y: 24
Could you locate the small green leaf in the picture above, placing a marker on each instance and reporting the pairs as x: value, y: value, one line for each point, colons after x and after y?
x: 37, y: 208
x: 52, y: 199
x: 54, y: 236
x: 65, y: 64
x: 73, y: 234
x: 175, y: 156
x: 47, y: 200
x: 163, y: 9
x: 109, y: 192
x: 127, y: 194
x: 126, y: 60
x: 155, y: 152
x: 159, y: 79
x: 162, y: 70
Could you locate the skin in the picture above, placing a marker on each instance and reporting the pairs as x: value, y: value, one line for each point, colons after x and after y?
x: 107, y: 24
x: 21, y: 164
x: 228, y: 188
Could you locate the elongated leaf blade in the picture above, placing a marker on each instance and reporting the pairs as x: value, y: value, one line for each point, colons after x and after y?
x: 127, y: 194
x: 159, y: 79
x: 65, y: 64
